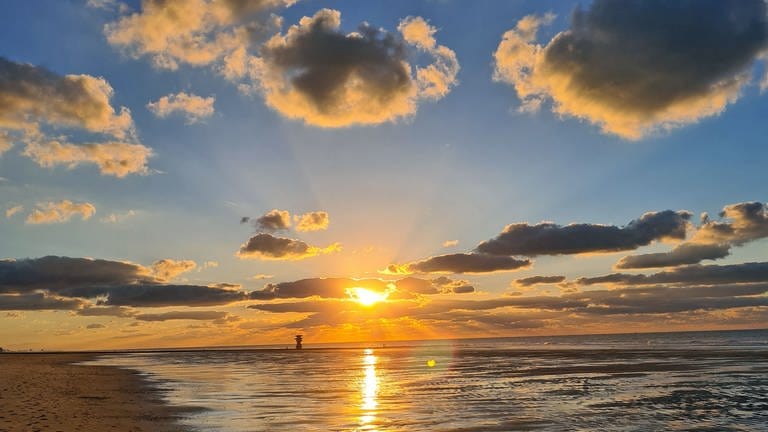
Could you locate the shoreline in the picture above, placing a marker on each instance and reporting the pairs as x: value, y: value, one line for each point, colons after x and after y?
x: 51, y: 392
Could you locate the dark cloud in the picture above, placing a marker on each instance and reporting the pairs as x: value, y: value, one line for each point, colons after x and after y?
x: 693, y: 275
x: 184, y: 315
x: 552, y: 239
x: 268, y: 247
x: 95, y: 326
x: 273, y: 220
x: 743, y: 222
x: 159, y: 295
x: 460, y: 263
x: 536, y: 280
x: 115, y: 311
x: 38, y: 301
x: 328, y: 78
x: 685, y: 253
x: 110, y: 283
x: 57, y: 274
x: 632, y: 67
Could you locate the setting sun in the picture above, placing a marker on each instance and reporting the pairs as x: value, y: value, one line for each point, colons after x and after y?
x: 367, y: 297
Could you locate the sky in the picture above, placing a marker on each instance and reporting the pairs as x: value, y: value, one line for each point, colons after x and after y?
x: 235, y: 172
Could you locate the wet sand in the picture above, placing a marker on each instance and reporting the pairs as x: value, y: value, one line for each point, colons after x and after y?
x: 47, y: 392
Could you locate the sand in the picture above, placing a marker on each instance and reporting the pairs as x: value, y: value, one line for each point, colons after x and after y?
x: 47, y: 392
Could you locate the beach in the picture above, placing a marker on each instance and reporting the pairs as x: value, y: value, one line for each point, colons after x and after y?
x: 50, y: 392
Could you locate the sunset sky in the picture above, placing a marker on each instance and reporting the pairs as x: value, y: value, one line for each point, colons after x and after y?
x: 234, y: 172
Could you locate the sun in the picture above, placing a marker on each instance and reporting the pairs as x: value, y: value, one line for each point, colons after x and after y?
x: 367, y: 297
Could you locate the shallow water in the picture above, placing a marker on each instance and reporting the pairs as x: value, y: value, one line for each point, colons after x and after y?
x: 678, y: 381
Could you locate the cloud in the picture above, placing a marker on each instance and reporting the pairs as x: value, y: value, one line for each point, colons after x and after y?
x: 6, y: 142
x: 450, y: 243
x: 37, y: 301
x: 60, y: 212
x: 56, y: 274
x: 194, y: 108
x: 167, y: 269
x: 262, y: 276
x: 152, y: 295
x: 312, y: 221
x: 118, y: 159
x: 11, y: 211
x: 339, y: 288
x: 273, y: 220
x: 95, y: 326
x: 268, y: 247
x: 551, y: 239
x: 536, y: 280
x: 316, y: 73
x: 743, y: 222
x: 183, y: 315
x: 194, y: 32
x: 684, y: 253
x: 32, y: 95
x: 692, y: 274
x: 460, y: 263
x: 115, y: 218
x: 33, y: 100
x: 625, y: 66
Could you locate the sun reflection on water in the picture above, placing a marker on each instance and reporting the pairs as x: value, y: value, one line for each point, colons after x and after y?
x: 369, y: 389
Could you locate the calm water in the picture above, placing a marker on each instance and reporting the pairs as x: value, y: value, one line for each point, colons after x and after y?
x: 678, y: 381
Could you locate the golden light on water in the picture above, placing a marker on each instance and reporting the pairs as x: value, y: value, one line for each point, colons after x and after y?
x: 369, y: 388
x: 367, y: 297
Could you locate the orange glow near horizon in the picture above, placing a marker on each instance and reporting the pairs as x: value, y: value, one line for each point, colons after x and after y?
x: 367, y: 297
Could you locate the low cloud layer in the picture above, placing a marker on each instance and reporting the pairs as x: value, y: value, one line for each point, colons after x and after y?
x: 628, y: 68
x: 192, y: 107
x: 339, y: 288
x: 742, y: 223
x: 268, y: 247
x: 537, y: 280
x: 33, y: 99
x: 460, y: 263
x: 107, y: 283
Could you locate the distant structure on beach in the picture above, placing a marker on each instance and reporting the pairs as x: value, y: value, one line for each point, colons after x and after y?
x: 298, y: 339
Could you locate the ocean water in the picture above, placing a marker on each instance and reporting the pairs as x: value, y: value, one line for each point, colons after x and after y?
x: 698, y: 381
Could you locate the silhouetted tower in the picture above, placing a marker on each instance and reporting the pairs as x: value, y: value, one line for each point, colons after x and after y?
x: 298, y: 338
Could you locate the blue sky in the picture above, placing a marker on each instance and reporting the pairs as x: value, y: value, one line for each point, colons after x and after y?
x: 460, y: 168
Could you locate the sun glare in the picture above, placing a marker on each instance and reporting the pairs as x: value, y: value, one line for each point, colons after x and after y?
x: 365, y: 296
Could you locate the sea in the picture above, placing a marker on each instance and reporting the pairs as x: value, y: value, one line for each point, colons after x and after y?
x: 689, y: 381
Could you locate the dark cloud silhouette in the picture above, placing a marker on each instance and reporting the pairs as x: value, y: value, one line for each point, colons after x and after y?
x: 536, y: 280
x: 552, y: 239
x: 183, y: 315
x: 38, y: 301
x: 743, y: 222
x: 158, y: 295
x: 268, y: 247
x: 692, y: 274
x: 57, y: 274
x: 685, y: 253
x: 633, y: 67
x: 460, y: 263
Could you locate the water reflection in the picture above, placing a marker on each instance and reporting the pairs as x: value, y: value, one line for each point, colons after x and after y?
x: 369, y: 390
